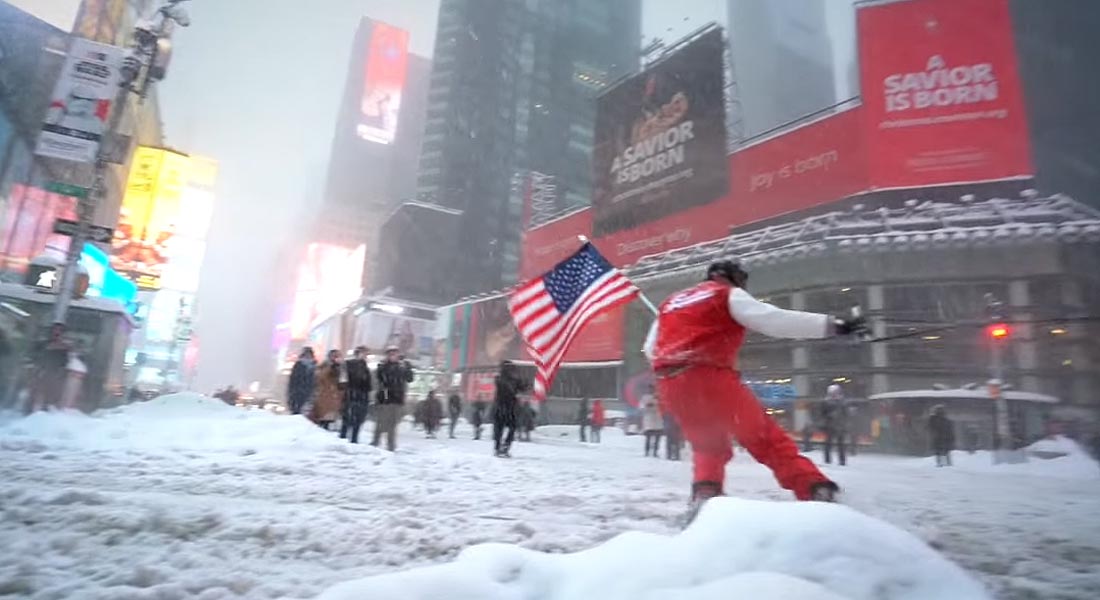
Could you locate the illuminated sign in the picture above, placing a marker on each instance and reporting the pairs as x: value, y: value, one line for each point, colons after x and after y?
x: 149, y: 215
x: 328, y: 280
x: 383, y: 83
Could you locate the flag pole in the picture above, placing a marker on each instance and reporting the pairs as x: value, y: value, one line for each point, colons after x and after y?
x: 641, y: 295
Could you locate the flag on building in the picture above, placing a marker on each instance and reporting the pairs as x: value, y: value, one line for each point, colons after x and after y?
x: 550, y: 310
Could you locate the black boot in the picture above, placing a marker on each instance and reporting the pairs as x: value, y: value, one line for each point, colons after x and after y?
x: 825, y: 491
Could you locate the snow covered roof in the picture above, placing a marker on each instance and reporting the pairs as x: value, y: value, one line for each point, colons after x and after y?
x: 918, y: 225
x: 964, y: 394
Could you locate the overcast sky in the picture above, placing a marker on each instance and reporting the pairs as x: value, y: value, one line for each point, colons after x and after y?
x: 255, y: 84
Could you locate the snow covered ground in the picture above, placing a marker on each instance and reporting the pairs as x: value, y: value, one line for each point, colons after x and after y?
x: 188, y: 498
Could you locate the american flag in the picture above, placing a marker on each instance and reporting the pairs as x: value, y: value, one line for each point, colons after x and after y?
x: 550, y: 310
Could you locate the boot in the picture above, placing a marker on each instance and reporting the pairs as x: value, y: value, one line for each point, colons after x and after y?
x: 701, y: 491
x: 825, y: 491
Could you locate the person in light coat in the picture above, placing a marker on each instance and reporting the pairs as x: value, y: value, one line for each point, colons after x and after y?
x: 652, y: 424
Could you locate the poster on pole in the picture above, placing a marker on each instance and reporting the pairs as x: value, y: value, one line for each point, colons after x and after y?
x: 81, y: 102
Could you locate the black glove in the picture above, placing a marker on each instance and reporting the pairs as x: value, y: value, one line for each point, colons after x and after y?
x: 851, y: 326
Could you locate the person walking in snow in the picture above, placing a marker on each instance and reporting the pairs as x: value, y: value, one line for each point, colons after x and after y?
x: 454, y: 410
x: 433, y: 414
x: 394, y: 376
x: 525, y: 420
x: 834, y: 417
x: 356, y: 395
x: 942, y: 432
x: 328, y: 397
x: 598, y: 420
x: 509, y: 386
x: 674, y: 440
x: 693, y: 346
x: 652, y: 424
x: 582, y: 418
x: 300, y: 386
x: 477, y: 417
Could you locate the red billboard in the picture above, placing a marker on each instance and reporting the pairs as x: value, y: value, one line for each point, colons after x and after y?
x: 28, y: 225
x: 550, y: 243
x: 941, y: 93
x: 386, y: 66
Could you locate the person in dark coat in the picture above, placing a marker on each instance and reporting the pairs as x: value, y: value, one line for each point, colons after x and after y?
x: 834, y: 413
x: 454, y: 410
x: 433, y: 414
x: 505, y: 407
x: 300, y: 387
x: 674, y: 438
x: 525, y: 421
x: 394, y: 377
x: 356, y: 395
x: 942, y: 432
x: 477, y: 417
x: 582, y: 419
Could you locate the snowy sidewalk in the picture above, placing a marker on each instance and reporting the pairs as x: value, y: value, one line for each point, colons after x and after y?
x: 228, y: 504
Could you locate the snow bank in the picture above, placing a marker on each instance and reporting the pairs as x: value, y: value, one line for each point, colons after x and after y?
x: 175, y: 422
x: 1075, y: 464
x: 735, y: 549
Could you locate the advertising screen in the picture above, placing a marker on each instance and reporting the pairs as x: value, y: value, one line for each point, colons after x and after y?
x: 661, y: 139
x: 547, y: 245
x: 328, y: 280
x: 493, y: 334
x: 941, y: 93
x: 150, y: 213
x: 28, y: 225
x: 414, y: 338
x: 386, y: 66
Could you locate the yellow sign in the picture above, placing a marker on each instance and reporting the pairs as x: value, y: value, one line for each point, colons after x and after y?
x: 150, y: 210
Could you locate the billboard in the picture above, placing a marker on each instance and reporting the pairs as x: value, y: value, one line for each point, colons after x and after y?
x: 385, y: 68
x: 28, y: 225
x: 941, y: 93
x: 493, y: 336
x: 414, y: 338
x: 546, y: 245
x: 149, y: 215
x: 328, y: 280
x: 660, y: 139
x: 81, y: 102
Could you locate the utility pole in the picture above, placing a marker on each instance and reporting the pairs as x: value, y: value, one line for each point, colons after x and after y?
x: 999, y: 334
x: 145, y: 62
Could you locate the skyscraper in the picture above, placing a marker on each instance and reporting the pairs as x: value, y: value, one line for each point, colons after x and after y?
x: 782, y: 60
x: 513, y: 90
x: 372, y: 165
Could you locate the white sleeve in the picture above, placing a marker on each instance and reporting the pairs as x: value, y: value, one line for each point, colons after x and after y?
x: 773, y: 321
x: 650, y: 341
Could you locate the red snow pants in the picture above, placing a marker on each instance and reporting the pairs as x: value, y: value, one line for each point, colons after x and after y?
x: 713, y: 406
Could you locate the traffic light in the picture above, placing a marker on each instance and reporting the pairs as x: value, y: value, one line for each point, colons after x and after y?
x: 998, y: 331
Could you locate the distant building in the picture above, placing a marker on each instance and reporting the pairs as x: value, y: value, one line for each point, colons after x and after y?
x: 513, y: 90
x: 372, y: 165
x: 414, y: 259
x: 782, y: 60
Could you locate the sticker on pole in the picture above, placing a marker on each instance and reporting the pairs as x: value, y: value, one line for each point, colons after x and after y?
x: 76, y: 120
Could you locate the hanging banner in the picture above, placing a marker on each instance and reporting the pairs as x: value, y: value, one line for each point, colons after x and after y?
x: 81, y: 102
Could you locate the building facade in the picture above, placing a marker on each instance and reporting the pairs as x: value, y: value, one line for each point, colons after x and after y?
x: 513, y: 90
x: 782, y: 61
x: 372, y: 164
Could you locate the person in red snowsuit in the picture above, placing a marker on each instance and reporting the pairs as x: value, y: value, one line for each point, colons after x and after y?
x: 693, y: 348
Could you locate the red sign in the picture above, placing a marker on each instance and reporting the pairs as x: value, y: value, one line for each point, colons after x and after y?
x: 28, y: 225
x: 383, y: 83
x: 941, y: 93
x: 548, y: 244
x: 814, y: 164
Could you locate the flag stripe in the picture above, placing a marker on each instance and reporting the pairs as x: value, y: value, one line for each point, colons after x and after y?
x: 583, y: 314
x: 608, y: 301
x: 541, y: 338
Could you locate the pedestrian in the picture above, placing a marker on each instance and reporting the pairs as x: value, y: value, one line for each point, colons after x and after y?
x: 433, y: 414
x: 652, y: 424
x: 582, y: 418
x: 454, y: 410
x: 598, y: 419
x: 300, y: 387
x: 532, y: 418
x: 834, y: 418
x: 674, y: 440
x: 505, y: 405
x: 356, y: 395
x: 693, y: 346
x: 394, y: 376
x: 477, y: 418
x: 328, y: 395
x: 942, y: 432
x: 525, y: 422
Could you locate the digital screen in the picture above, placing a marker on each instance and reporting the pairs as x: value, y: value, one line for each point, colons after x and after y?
x: 383, y: 83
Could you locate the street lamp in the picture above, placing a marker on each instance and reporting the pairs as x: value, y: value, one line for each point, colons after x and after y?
x: 135, y: 74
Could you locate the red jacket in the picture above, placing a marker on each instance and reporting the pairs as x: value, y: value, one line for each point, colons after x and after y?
x: 598, y: 418
x: 705, y: 325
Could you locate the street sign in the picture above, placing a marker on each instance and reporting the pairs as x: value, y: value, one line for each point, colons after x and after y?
x: 67, y: 189
x: 96, y: 233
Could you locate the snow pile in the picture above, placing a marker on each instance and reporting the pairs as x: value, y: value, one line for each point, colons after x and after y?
x: 735, y: 549
x: 1074, y: 463
x: 175, y: 422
